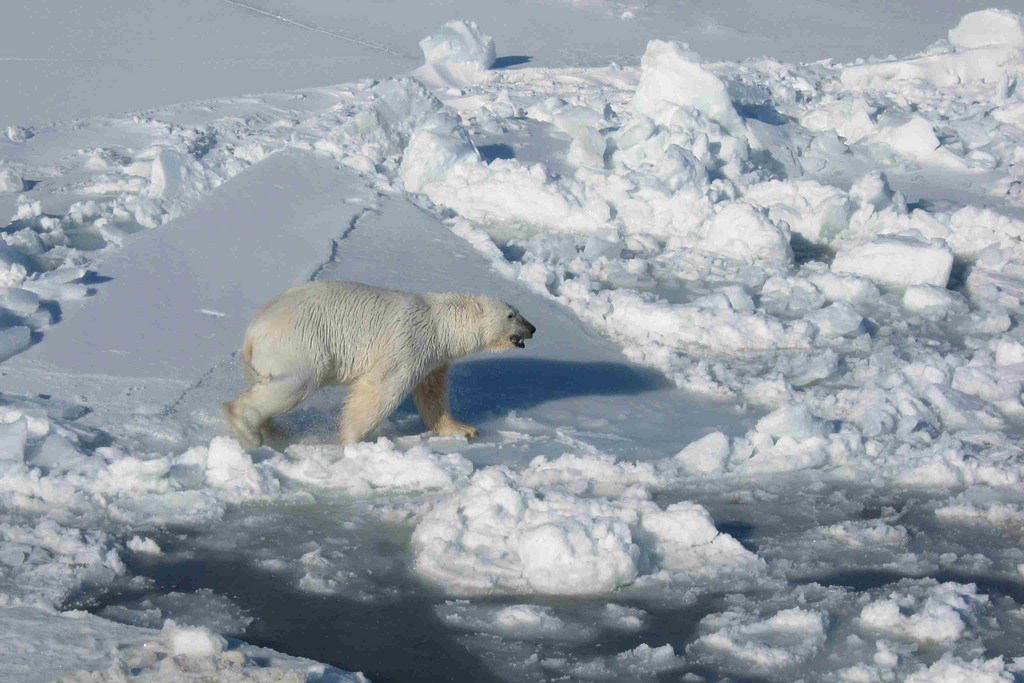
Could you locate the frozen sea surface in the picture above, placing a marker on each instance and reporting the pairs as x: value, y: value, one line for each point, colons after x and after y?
x: 769, y: 428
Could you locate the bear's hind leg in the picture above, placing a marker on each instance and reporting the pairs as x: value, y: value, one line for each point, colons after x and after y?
x: 265, y: 399
x: 431, y: 396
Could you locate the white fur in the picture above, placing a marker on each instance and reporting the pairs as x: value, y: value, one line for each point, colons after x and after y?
x: 384, y: 343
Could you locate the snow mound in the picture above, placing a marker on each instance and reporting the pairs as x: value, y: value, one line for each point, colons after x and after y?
x: 898, y: 261
x: 952, y: 669
x: 433, y: 151
x: 926, y: 614
x: 10, y: 181
x: 741, y: 232
x: 741, y: 641
x: 459, y: 43
x: 671, y: 77
x: 497, y: 536
x: 230, y: 469
x: 988, y: 28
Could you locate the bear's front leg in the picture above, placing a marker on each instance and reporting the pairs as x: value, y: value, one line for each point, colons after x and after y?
x: 369, y: 401
x: 431, y: 396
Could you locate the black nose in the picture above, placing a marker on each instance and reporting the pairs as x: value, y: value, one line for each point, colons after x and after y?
x: 530, y: 327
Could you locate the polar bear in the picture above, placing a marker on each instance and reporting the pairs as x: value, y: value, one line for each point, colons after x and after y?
x: 383, y: 343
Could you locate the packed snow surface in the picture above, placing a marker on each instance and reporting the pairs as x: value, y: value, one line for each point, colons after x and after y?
x: 770, y: 424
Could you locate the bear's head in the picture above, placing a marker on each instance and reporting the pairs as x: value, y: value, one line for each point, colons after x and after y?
x: 503, y: 326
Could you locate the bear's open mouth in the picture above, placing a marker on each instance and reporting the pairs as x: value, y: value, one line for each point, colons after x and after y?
x: 517, y: 341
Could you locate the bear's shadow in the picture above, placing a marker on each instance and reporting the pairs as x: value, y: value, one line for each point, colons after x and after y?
x: 481, y: 389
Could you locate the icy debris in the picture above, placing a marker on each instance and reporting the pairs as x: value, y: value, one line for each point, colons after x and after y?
x: 573, y: 120
x: 793, y: 422
x: 837, y: 320
x: 741, y: 232
x: 656, y: 328
x: 364, y: 468
x: 175, y: 174
x: 867, y: 534
x: 672, y: 78
x: 787, y: 439
x: 988, y: 28
x: 230, y: 469
x: 623, y: 618
x: 14, y: 340
x: 44, y: 561
x: 18, y: 133
x: 816, y: 212
x: 193, y: 642
x: 379, y: 131
x: 143, y: 545
x: 598, y: 474
x: 641, y: 663
x: 494, y: 536
x: 873, y: 190
x: 10, y: 181
x: 644, y: 659
x: 931, y: 301
x: 18, y: 301
x: 433, y: 150
x: 991, y: 514
x: 497, y: 536
x: 516, y: 622
x: 706, y: 455
x: 981, y: 63
x: 849, y: 117
x: 897, y: 260
x: 952, y: 669
x: 685, y: 540
x: 926, y: 612
x: 916, y: 139
x: 740, y: 642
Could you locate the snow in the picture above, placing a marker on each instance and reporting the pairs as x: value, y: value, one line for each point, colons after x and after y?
x: 769, y: 426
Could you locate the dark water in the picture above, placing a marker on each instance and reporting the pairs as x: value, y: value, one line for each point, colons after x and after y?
x: 390, y: 639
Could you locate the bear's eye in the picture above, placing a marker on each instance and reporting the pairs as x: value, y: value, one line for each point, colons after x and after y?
x: 511, y: 315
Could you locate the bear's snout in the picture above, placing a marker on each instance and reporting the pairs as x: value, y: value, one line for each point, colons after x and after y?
x: 524, y: 331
